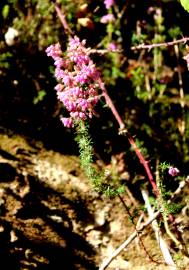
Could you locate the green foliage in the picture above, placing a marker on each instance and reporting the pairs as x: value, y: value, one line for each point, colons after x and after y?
x: 98, y: 179
x: 111, y: 191
x: 35, y: 20
x: 5, y: 11
x: 163, y: 199
x: 185, y: 4
x: 5, y: 60
x: 174, y: 32
x: 138, y: 81
x: 163, y: 166
x: 37, y: 24
x: 111, y: 71
x: 138, y: 39
x: 167, y: 206
x: 86, y: 154
x: 174, y: 208
x: 141, y: 147
x: 153, y: 80
x: 39, y: 97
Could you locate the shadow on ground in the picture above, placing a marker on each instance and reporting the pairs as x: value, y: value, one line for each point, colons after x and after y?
x: 36, y: 226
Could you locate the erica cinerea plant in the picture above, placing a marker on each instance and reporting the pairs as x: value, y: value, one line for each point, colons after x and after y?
x: 79, y: 83
x: 78, y: 87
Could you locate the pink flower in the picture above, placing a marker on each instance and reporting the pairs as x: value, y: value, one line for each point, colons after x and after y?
x: 151, y: 9
x: 112, y: 46
x: 67, y: 122
x: 109, y: 3
x: 78, y: 80
x: 173, y: 171
x: 54, y: 51
x: 58, y: 87
x: 107, y: 18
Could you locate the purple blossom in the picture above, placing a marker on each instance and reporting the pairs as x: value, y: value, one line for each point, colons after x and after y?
x: 59, y: 62
x: 78, y: 80
x: 173, y: 171
x: 151, y: 9
x: 109, y: 3
x: 54, y: 51
x: 59, y: 87
x: 112, y: 46
x: 67, y: 122
x: 107, y: 18
x: 59, y: 73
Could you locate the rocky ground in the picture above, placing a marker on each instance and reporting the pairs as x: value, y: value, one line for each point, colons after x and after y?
x: 51, y: 219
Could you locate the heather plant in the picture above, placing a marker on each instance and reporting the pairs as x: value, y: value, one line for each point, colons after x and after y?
x: 79, y: 89
x: 145, y: 74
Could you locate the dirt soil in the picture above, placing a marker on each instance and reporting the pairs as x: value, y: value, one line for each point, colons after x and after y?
x: 51, y: 218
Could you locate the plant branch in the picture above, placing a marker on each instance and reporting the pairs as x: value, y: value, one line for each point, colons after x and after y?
x: 62, y: 19
x: 162, y: 44
x: 104, y: 51
x: 181, y: 186
x: 124, y: 131
x: 180, y: 80
x: 111, y: 105
x: 144, y: 46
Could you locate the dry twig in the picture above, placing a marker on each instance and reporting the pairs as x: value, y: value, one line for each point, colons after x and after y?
x: 161, y: 242
x: 128, y: 241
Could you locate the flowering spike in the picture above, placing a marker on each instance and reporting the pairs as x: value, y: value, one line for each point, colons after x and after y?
x: 77, y: 76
